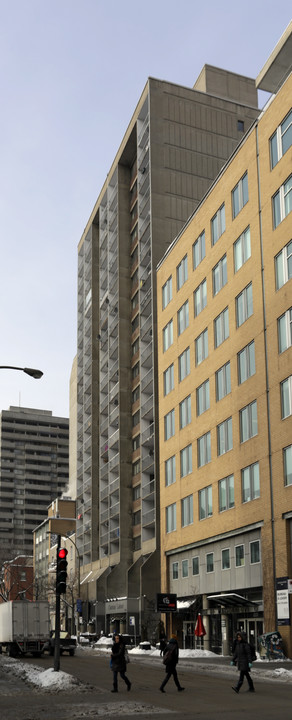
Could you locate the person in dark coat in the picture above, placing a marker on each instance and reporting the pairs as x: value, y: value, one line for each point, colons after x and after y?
x: 170, y: 659
x: 242, y: 658
x: 118, y: 663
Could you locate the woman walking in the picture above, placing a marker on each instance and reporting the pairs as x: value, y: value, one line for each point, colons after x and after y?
x: 170, y: 660
x: 118, y: 663
x: 242, y: 658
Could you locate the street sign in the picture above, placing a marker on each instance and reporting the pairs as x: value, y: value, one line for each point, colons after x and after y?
x: 132, y: 620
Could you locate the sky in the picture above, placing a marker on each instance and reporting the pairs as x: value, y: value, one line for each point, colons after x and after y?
x: 71, y: 74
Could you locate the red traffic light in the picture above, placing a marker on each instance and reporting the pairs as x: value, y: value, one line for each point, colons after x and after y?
x: 62, y: 553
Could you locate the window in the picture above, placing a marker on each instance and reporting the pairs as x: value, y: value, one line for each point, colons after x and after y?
x: 223, y: 381
x: 239, y: 555
x: 203, y: 397
x: 219, y: 275
x: 183, y: 318
x: 170, y: 471
x: 226, y: 493
x: 205, y: 502
x: 210, y: 562
x: 200, y: 298
x: 136, y: 492
x: 187, y: 511
x: 224, y: 437
x: 250, y: 482
x: 135, y: 323
x: 221, y: 328
x: 136, y: 443
x: 244, y: 306
x: 286, y: 398
x: 240, y: 125
x: 135, y: 371
x: 218, y: 224
x: 167, y: 335
x: 248, y: 419
x: 285, y: 331
x: 184, y: 364
x: 201, y: 347
x: 254, y: 552
x: 195, y: 565
x: 246, y: 363
x: 137, y: 543
x: 282, y: 202
x: 169, y: 425
x: 185, y: 412
x: 175, y: 571
x: 167, y: 292
x: 185, y: 568
x: 241, y: 249
x: 136, y: 468
x: 199, y: 250
x: 287, y: 457
x: 239, y: 196
x: 136, y: 418
x: 137, y: 517
x: 168, y: 379
x: 135, y: 301
x: 182, y: 272
x: 135, y: 347
x: 283, y: 265
x: 281, y: 140
x: 225, y: 559
x: 204, y: 449
x: 170, y: 512
x: 136, y: 394
x: 186, y: 461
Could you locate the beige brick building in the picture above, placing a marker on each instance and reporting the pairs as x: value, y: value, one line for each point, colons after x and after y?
x: 224, y: 305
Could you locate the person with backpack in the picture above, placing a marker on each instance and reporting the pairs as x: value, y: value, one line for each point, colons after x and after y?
x: 118, y: 663
x: 242, y: 658
x: 170, y: 660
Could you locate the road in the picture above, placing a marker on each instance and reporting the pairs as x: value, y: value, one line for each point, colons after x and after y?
x: 207, y: 696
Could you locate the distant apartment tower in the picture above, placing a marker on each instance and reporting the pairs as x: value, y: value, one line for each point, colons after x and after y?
x: 225, y: 389
x: 175, y: 144
x: 34, y: 457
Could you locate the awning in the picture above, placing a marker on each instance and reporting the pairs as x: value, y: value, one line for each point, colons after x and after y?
x: 184, y: 604
x: 231, y: 600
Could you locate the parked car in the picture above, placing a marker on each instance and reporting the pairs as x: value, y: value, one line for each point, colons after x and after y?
x: 67, y: 643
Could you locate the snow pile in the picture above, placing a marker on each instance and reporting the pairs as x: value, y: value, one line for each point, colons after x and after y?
x: 44, y: 679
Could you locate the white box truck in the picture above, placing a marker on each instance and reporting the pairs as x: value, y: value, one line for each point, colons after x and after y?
x: 24, y: 627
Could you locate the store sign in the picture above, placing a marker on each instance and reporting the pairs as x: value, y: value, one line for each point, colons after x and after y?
x: 165, y: 602
x: 283, y: 613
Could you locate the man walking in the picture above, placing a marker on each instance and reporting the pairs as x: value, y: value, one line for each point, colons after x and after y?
x: 170, y: 660
x: 242, y: 657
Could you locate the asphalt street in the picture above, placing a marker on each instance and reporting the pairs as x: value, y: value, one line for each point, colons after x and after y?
x: 207, y: 695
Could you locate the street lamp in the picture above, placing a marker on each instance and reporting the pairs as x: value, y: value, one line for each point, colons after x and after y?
x: 36, y: 374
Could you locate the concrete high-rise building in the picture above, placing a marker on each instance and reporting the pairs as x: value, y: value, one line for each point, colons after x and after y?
x: 177, y: 141
x: 34, y: 457
x: 225, y: 389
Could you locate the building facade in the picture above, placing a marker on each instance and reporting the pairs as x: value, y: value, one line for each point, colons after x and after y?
x: 224, y: 321
x: 34, y: 457
x: 175, y: 145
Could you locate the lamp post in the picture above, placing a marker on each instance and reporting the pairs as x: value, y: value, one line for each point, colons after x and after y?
x: 36, y: 374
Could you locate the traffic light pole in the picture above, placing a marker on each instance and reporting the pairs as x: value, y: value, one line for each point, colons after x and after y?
x: 57, y: 617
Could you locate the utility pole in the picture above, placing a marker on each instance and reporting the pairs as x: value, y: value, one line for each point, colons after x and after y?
x: 57, y: 618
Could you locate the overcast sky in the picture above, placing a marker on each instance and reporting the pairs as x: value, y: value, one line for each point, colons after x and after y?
x: 72, y: 72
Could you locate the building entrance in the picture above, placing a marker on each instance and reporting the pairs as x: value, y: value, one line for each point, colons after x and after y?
x: 253, y: 629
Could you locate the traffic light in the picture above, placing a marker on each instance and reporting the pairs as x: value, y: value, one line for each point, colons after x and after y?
x: 61, y: 570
